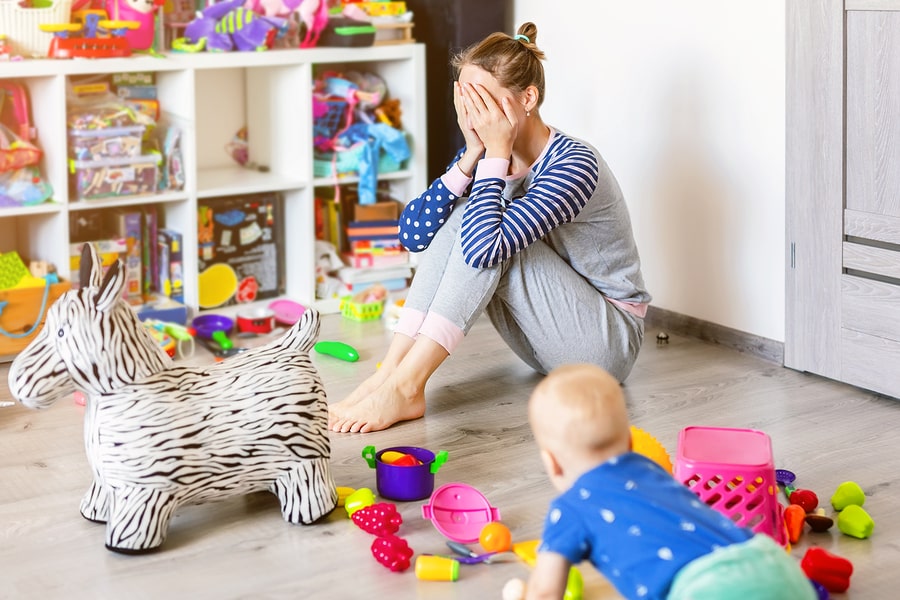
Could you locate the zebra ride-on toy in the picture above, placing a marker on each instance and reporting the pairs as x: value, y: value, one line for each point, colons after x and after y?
x: 159, y: 436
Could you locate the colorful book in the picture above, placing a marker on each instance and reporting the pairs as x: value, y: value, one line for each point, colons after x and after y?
x: 150, y: 251
x: 171, y: 264
x: 128, y: 225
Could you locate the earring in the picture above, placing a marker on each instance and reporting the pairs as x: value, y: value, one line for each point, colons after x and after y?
x: 527, y: 113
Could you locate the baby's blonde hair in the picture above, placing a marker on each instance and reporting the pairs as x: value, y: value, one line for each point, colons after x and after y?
x: 580, y: 408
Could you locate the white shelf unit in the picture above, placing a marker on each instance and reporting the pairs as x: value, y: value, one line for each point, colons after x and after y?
x: 211, y: 96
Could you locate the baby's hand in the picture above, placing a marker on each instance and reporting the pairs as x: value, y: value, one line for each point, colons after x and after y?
x: 514, y: 589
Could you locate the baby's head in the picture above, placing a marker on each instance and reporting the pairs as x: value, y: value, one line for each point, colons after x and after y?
x: 579, y: 420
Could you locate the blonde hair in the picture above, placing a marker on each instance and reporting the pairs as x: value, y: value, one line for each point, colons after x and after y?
x: 582, y: 407
x: 514, y: 61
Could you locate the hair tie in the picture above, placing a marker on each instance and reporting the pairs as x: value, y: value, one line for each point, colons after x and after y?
x: 525, y: 38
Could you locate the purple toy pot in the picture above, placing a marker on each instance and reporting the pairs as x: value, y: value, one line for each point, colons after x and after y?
x: 405, y: 483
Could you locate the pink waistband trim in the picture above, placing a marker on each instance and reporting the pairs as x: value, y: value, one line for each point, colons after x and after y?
x: 638, y: 310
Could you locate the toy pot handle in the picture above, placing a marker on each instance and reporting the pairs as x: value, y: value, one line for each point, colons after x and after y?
x: 439, y: 459
x: 368, y: 453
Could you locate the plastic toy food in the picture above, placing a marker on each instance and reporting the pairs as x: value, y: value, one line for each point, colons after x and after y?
x: 846, y: 494
x: 437, y: 568
x: 855, y: 522
x: 830, y: 570
x: 343, y: 493
x: 359, y: 499
x: 819, y: 521
x: 407, y: 460
x: 338, y: 350
x: 389, y: 456
x: 794, y: 519
x: 379, y: 519
x: 495, y: 537
x: 392, y: 551
x: 807, y: 499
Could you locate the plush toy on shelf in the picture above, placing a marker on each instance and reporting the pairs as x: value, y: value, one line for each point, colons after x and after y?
x: 142, y: 12
x: 228, y: 26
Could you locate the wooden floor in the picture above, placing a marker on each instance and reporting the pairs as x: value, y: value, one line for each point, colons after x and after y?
x: 825, y: 432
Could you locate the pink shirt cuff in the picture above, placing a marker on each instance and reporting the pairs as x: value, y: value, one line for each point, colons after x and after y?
x: 456, y: 181
x: 492, y: 167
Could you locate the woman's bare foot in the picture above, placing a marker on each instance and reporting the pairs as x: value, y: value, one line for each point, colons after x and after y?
x: 372, y: 383
x: 378, y: 410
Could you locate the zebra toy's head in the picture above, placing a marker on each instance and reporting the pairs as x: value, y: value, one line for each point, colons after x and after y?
x: 92, y: 340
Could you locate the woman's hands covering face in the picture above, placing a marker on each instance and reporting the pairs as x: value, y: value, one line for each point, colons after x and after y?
x: 494, y: 125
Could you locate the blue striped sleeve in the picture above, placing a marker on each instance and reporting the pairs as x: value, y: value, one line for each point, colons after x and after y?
x: 564, y: 182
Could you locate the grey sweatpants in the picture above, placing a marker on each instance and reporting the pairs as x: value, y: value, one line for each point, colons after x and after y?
x: 546, y: 312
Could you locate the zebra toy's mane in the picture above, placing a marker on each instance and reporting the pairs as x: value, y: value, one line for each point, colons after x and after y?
x: 158, y: 435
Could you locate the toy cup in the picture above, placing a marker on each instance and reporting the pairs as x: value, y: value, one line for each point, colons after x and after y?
x: 404, y: 483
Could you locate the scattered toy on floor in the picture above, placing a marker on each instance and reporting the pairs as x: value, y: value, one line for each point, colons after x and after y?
x: 338, y: 350
x: 146, y: 418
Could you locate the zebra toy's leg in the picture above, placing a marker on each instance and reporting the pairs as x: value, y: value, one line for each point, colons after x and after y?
x: 306, y: 493
x: 138, y: 519
x: 95, y: 504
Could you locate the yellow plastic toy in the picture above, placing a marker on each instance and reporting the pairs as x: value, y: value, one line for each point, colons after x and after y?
x: 644, y: 443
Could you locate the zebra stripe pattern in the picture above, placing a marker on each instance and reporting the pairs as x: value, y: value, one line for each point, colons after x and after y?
x: 159, y: 436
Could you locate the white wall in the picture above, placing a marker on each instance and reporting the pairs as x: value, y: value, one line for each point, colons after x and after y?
x: 685, y: 100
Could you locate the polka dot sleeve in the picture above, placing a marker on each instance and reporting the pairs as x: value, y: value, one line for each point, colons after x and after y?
x: 423, y: 216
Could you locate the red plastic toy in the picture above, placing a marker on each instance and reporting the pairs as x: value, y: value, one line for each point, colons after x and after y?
x: 392, y: 551
x: 830, y: 570
x: 805, y: 498
x: 379, y: 519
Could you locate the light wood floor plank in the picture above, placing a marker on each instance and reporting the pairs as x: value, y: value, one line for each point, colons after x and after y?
x: 240, y: 548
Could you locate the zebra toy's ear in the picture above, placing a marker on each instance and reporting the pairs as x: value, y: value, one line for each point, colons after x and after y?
x: 111, y: 288
x: 91, y: 270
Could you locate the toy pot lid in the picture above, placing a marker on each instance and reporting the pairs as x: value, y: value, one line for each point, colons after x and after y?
x: 287, y: 312
x: 459, y: 512
x: 207, y: 325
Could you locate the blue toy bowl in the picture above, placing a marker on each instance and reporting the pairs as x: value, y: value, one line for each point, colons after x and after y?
x: 405, y: 483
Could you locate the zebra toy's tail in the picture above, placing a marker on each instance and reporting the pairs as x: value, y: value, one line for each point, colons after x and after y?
x: 303, y: 334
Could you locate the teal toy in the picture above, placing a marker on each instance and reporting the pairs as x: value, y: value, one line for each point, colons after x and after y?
x: 338, y: 350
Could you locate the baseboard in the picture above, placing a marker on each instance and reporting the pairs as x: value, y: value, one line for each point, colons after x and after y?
x: 673, y: 322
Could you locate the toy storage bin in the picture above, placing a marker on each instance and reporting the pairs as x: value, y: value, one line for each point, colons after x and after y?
x: 357, y: 311
x: 732, y: 470
x: 21, y: 25
x: 112, y: 177
x: 109, y: 142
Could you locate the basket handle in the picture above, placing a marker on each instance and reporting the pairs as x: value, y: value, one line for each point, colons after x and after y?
x: 37, y: 322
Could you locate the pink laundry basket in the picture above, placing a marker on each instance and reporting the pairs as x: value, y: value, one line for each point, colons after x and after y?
x: 732, y: 470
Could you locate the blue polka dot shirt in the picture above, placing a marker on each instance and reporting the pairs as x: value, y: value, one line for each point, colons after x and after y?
x: 636, y: 524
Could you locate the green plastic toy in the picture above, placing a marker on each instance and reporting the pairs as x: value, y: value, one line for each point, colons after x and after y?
x: 847, y: 494
x: 338, y: 350
x: 855, y: 522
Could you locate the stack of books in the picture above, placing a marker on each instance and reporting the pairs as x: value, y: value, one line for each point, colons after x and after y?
x: 374, y: 244
x: 356, y: 280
